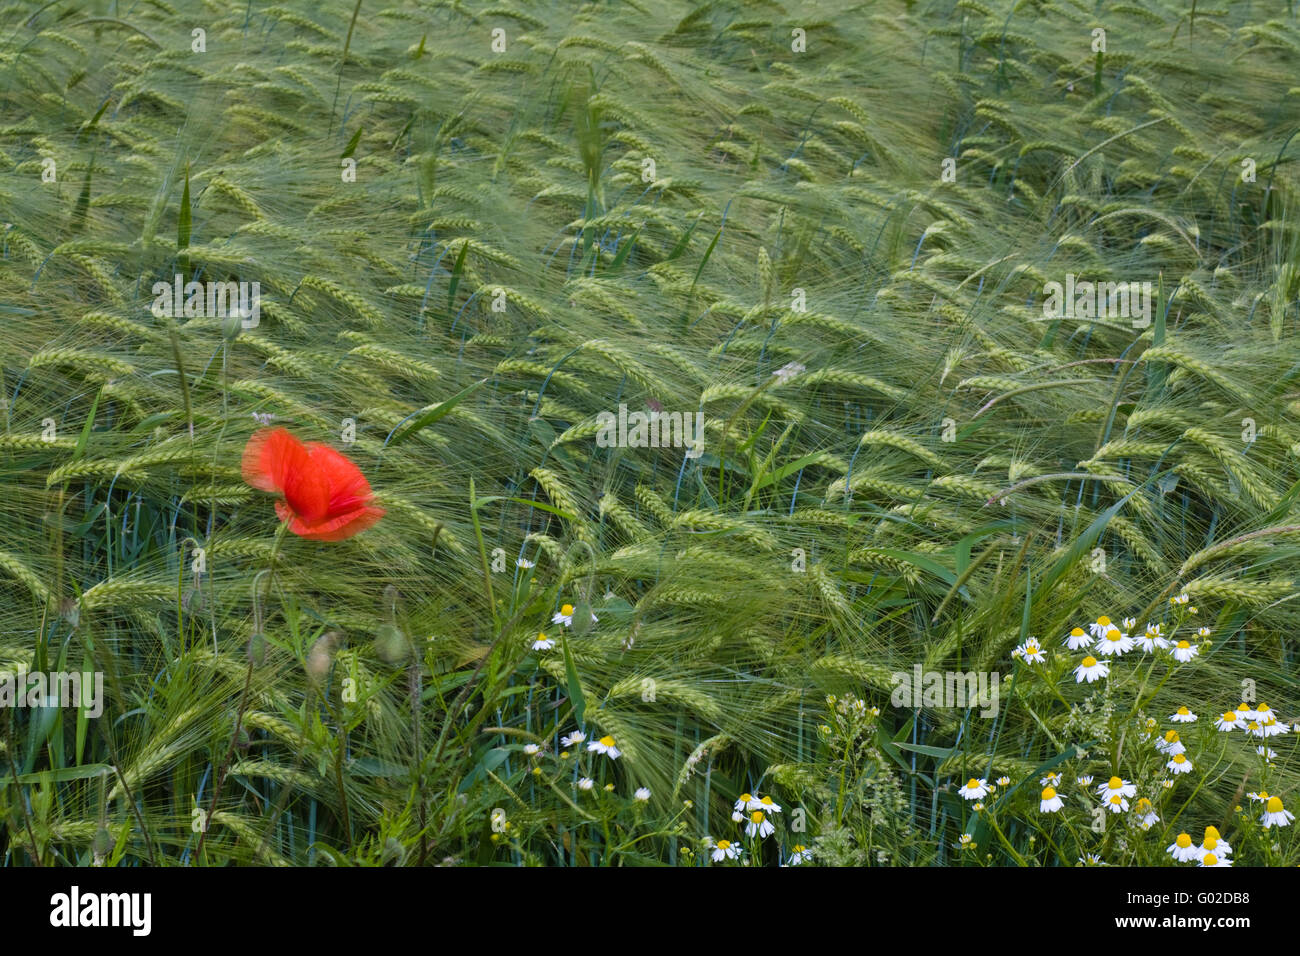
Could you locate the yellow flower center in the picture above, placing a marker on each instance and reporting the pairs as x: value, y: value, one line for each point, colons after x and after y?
x: 1210, y: 843
x: 1211, y: 833
x: 1144, y: 804
x: 1210, y: 859
x: 1274, y: 804
x: 1116, y: 800
x: 766, y: 801
x: 1049, y: 793
x: 1114, y: 636
x: 1183, y: 841
x: 757, y: 816
x: 1262, y: 709
x: 1103, y: 621
x: 567, y: 610
x: 972, y: 784
x: 1090, y: 661
x: 1077, y: 632
x: 1183, y: 645
x: 723, y: 844
x: 1171, y: 737
x: 745, y: 797
x: 607, y: 741
x: 1183, y: 712
x: 1230, y: 717
x: 1115, y: 783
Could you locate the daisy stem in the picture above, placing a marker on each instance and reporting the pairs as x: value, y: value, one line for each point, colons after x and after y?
x: 1005, y: 842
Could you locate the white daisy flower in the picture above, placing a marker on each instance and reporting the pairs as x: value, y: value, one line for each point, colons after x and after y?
x: 1179, y: 764
x: 1128, y: 624
x: 1051, y: 780
x: 525, y: 564
x: 1180, y: 599
x: 759, y: 824
x: 975, y: 789
x: 543, y: 643
x: 1184, y: 651
x: 725, y: 850
x: 1100, y: 627
x: 1114, y: 643
x: 1151, y: 639
x: 1246, y: 712
x: 1091, y: 670
x: 1215, y: 843
x: 1183, y: 850
x: 532, y: 749
x: 1114, y: 786
x: 605, y: 745
x: 1117, y: 804
x: 642, y: 794
x: 1170, y: 744
x: 1004, y: 781
x: 1271, y: 728
x: 565, y: 616
x: 1092, y: 859
x: 737, y: 816
x: 1268, y: 753
x: 1031, y: 652
x: 1230, y: 721
x: 1146, y: 814
x: 745, y: 802
x: 1183, y: 716
x: 966, y: 842
x: 1275, y: 815
x: 799, y: 854
x: 1202, y: 632
x: 570, y: 740
x: 1050, y: 801
x: 1085, y: 780
x: 586, y: 783
x: 1077, y: 639
x: 1263, y: 713
x: 767, y: 805
x: 1262, y: 797
x: 1211, y: 860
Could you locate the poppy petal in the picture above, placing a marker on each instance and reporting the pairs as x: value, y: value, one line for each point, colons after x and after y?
x: 269, y: 456
x: 348, y: 488
x: 307, y: 490
x: 330, y: 529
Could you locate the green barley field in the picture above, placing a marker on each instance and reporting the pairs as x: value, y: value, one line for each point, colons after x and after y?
x: 543, y: 433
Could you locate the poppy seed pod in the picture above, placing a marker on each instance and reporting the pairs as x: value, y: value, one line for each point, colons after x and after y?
x: 231, y: 326
x: 256, y: 650
x: 103, y: 843
x: 321, y: 654
x: 391, y: 644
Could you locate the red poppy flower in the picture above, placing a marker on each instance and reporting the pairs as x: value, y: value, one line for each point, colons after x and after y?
x: 326, y: 498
